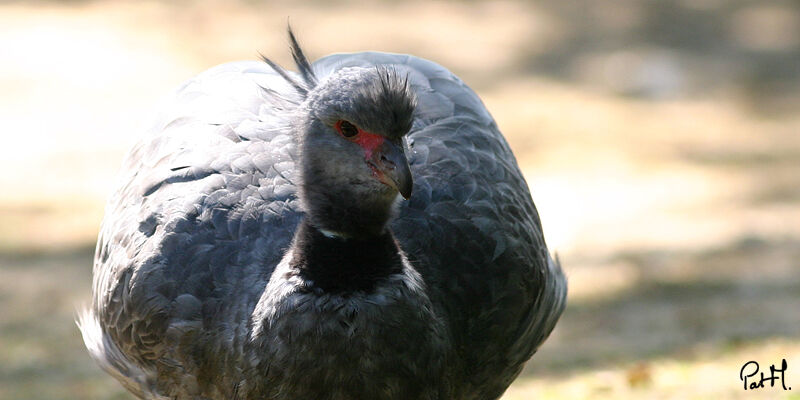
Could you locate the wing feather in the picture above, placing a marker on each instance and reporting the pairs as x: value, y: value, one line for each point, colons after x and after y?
x: 212, y: 189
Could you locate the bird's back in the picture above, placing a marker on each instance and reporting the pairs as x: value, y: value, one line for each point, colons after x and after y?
x: 207, y: 206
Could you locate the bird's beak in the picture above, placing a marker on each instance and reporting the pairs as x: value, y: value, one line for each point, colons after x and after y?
x: 390, y: 160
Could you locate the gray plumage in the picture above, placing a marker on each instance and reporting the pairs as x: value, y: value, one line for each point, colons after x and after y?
x: 211, y: 275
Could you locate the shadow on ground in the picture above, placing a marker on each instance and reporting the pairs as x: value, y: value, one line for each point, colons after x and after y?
x: 43, y: 355
x: 677, y: 303
x: 674, y: 47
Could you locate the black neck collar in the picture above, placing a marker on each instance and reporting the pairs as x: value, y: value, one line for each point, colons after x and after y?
x: 338, y: 265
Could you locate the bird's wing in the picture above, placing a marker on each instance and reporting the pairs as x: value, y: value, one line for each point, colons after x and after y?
x: 471, y: 228
x: 204, y: 209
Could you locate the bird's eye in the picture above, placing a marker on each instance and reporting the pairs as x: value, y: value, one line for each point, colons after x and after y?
x: 346, y: 129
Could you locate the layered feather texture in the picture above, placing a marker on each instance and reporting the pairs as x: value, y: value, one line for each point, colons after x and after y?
x: 207, y: 207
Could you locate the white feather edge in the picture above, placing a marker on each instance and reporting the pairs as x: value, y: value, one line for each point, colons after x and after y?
x: 111, y: 359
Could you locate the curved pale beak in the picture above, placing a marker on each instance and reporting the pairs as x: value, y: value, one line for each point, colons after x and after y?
x: 390, y: 161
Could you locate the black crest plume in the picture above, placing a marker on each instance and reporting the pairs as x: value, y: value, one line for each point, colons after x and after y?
x: 303, y: 66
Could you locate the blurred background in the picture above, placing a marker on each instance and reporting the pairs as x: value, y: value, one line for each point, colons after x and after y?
x: 660, y: 139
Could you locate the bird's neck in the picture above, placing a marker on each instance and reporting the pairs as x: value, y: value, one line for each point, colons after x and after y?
x: 336, y: 264
x: 349, y: 216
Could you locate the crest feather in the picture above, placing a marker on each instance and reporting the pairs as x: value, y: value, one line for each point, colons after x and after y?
x: 309, y: 80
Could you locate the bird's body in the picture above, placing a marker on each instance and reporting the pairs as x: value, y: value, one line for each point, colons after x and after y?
x: 239, y: 261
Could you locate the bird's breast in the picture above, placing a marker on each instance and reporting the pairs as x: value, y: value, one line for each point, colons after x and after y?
x: 388, y: 343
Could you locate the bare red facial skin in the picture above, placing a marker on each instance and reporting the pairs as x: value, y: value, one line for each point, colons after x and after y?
x: 369, y: 142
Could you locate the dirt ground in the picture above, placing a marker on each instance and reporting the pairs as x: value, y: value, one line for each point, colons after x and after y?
x: 661, y: 142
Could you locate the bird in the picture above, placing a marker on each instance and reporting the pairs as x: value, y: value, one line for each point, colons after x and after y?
x: 356, y: 229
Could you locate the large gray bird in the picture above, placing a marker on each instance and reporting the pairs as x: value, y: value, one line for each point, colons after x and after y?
x: 257, y: 246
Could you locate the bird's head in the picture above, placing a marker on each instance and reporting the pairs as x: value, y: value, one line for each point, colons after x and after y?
x: 351, y: 128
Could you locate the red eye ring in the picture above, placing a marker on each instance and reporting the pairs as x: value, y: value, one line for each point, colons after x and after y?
x: 346, y: 129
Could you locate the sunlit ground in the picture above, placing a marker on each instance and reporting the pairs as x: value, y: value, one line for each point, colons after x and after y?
x: 661, y: 141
